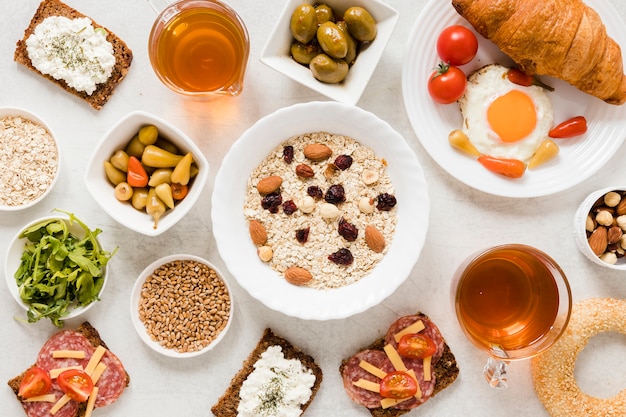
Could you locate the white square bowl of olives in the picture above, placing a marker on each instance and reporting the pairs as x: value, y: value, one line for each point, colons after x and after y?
x: 146, y: 173
x: 332, y: 47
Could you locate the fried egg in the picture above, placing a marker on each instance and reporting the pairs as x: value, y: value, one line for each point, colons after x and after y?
x: 503, y: 119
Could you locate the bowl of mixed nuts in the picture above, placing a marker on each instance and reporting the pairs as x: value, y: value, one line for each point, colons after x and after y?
x: 600, y: 227
x: 181, y: 306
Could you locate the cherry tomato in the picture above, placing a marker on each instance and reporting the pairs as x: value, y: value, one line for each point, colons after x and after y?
x: 569, y: 128
x: 76, y: 384
x: 457, y: 45
x: 398, y: 385
x: 446, y: 84
x: 179, y: 191
x: 35, y: 382
x: 416, y: 346
x: 512, y: 168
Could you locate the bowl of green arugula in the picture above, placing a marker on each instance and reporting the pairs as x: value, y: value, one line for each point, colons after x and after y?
x: 56, y: 268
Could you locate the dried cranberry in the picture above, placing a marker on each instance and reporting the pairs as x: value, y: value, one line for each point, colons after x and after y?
x: 347, y: 230
x: 271, y: 202
x: 289, y: 207
x: 385, y: 202
x: 342, y: 257
x: 315, y: 192
x: 288, y: 154
x: 302, y: 235
x: 343, y: 162
x: 335, y: 194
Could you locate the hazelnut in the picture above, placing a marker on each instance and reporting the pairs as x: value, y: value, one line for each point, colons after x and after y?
x: 366, y: 205
x: 265, y: 253
x: 621, y: 222
x: 622, y: 242
x: 609, y: 258
x: 369, y: 177
x: 307, y: 204
x: 612, y: 199
x: 604, y: 217
x: 590, y: 224
x: 329, y: 211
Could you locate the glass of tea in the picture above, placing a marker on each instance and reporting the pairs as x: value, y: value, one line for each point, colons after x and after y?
x: 512, y: 301
x: 198, y: 47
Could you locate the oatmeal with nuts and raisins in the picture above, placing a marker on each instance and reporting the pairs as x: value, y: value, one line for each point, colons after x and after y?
x: 321, y: 210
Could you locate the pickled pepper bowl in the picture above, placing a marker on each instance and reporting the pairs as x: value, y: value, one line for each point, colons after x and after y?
x: 102, y: 190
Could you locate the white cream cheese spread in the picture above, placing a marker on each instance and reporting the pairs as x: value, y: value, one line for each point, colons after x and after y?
x: 71, y: 50
x: 277, y: 387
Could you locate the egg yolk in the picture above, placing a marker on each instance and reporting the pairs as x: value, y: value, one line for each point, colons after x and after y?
x: 512, y: 116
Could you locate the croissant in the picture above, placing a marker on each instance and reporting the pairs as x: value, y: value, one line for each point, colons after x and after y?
x: 565, y: 39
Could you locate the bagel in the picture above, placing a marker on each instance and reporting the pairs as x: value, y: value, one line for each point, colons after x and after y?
x: 553, y: 370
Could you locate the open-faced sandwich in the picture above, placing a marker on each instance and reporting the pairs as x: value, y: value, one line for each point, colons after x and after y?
x: 276, y: 379
x: 402, y: 370
x: 73, y: 51
x: 74, y: 373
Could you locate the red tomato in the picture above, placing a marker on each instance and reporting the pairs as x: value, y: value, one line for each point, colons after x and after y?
x: 512, y: 168
x: 416, y: 346
x: 457, y: 45
x: 76, y: 384
x: 569, y: 128
x: 398, y: 385
x: 447, y: 84
x: 35, y: 382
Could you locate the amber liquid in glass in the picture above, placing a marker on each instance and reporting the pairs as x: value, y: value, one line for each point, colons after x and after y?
x: 507, y: 299
x: 201, y: 50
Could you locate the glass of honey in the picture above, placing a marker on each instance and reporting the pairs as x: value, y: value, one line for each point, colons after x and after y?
x: 512, y: 301
x: 199, y: 47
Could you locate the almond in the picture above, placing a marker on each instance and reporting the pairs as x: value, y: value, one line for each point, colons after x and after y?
x: 598, y: 240
x: 614, y: 234
x: 258, y: 234
x: 304, y: 171
x: 297, y: 276
x: 317, y: 152
x: 269, y: 184
x: 374, y: 239
x: 620, y: 210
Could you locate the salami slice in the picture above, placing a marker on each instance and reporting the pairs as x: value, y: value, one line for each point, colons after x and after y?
x: 112, y: 382
x: 64, y: 340
x: 42, y: 409
x: 431, y: 330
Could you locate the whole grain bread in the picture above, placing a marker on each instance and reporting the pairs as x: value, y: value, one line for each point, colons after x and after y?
x: 227, y: 404
x: 123, y: 54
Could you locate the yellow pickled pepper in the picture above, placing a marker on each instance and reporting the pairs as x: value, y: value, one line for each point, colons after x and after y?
x: 155, y: 157
x: 182, y: 170
x: 113, y: 174
x: 164, y: 192
x: 154, y: 206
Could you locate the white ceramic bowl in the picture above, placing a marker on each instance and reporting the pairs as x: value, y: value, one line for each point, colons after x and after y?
x: 13, y: 261
x: 277, y: 55
x: 141, y: 328
x: 25, y: 114
x: 231, y: 230
x: 580, y: 232
x: 103, y: 191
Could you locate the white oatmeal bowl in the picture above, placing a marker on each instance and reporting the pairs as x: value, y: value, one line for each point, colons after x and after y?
x: 335, y: 238
x: 29, y: 161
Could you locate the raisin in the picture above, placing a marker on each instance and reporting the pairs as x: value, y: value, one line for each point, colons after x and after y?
x: 315, y: 192
x: 343, y: 162
x: 342, y: 257
x: 347, y: 230
x: 302, y: 235
x: 271, y: 202
x: 335, y: 194
x: 288, y: 154
x: 385, y: 202
x: 289, y: 207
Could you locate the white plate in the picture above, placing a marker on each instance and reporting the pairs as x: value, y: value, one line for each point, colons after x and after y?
x: 579, y: 157
x: 231, y: 231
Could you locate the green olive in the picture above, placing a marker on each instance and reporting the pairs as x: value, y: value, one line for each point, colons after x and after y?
x: 324, y: 14
x: 352, y: 43
x: 328, y: 70
x: 303, y: 54
x: 332, y: 40
x: 303, y: 23
x: 361, y: 24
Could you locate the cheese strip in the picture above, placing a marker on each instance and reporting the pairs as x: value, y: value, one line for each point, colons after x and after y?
x: 97, y: 373
x: 62, y: 401
x: 372, y: 369
x: 416, y: 327
x: 58, y: 371
x: 428, y: 368
x: 390, y: 402
x: 368, y: 385
x: 395, y: 358
x: 418, y: 393
x: 91, y: 402
x: 74, y: 354
x: 95, y: 358
x: 48, y: 398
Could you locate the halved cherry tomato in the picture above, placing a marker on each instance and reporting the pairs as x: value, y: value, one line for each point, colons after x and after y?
x: 512, y: 168
x: 446, y: 84
x: 573, y: 127
x: 519, y: 77
x: 136, y: 175
x: 76, y: 384
x: 416, y: 346
x: 457, y: 45
x: 35, y: 382
x: 398, y: 385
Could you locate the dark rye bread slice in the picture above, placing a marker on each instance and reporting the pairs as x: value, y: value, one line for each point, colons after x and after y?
x: 93, y: 336
x: 226, y: 406
x: 123, y: 54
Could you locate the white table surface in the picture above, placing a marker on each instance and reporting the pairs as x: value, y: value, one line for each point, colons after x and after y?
x: 462, y: 221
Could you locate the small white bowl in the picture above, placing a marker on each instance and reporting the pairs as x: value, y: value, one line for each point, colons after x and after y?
x: 141, y: 328
x: 580, y: 232
x: 103, y: 191
x: 25, y: 114
x: 13, y: 261
x: 277, y: 51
